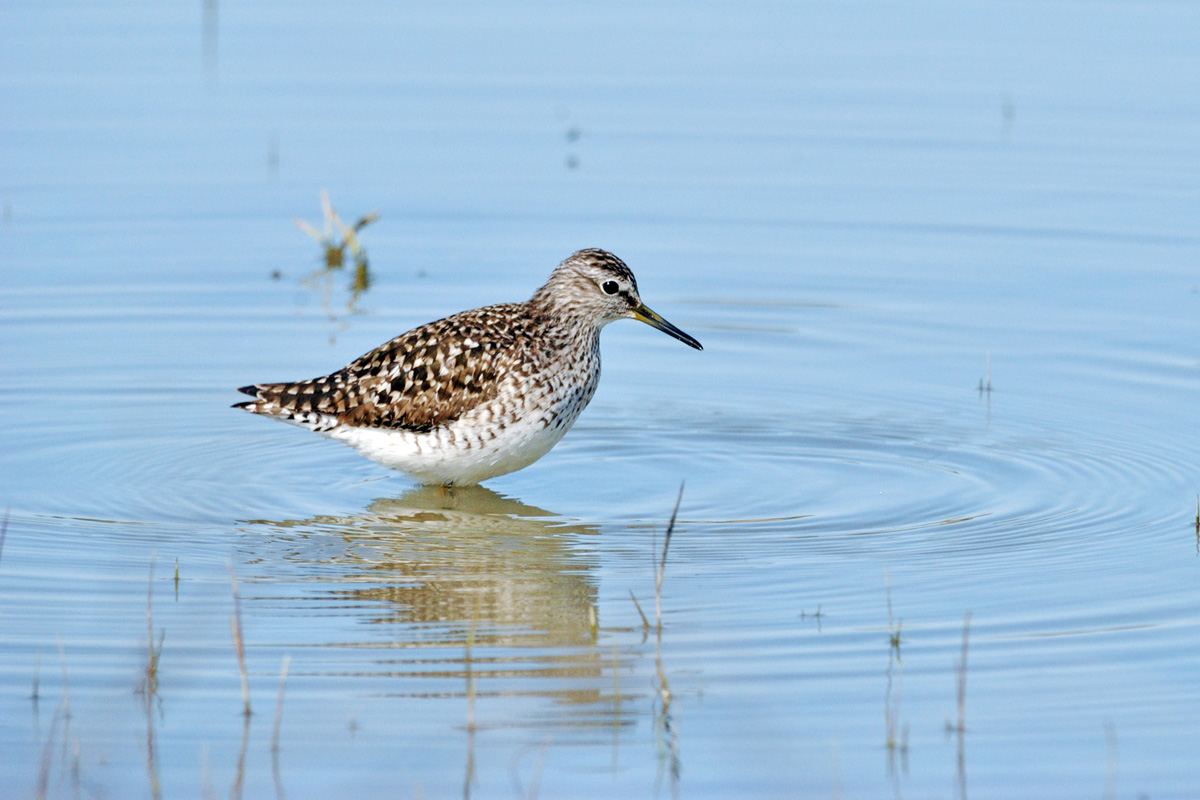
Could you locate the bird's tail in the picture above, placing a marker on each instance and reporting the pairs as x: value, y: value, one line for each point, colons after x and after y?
x: 289, y: 402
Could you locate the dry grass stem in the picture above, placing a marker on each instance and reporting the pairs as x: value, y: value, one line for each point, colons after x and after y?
x: 76, y: 766
x: 962, y: 676
x: 283, y: 674
x: 239, y: 775
x: 35, y: 695
x: 469, y: 768
x: 665, y: 735
x: 642, y: 614
x: 153, y: 652
x: 470, y: 676
x: 235, y: 624
x: 896, y: 734
x: 987, y: 386
x: 43, y: 782
x: 662, y: 564
x: 893, y: 626
x: 66, y: 696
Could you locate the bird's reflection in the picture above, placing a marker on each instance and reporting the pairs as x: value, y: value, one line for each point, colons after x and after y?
x: 462, y: 575
x: 472, y: 556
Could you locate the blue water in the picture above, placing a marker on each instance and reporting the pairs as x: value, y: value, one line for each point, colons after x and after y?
x: 944, y: 261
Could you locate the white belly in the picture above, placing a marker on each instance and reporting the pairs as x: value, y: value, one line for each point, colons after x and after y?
x: 488, y: 441
x: 444, y: 456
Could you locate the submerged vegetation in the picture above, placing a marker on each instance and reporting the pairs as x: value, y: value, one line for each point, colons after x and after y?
x: 60, y: 768
x: 235, y: 626
x: 149, y: 685
x: 487, y: 664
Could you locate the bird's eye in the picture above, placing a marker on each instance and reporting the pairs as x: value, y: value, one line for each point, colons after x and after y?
x: 610, y: 287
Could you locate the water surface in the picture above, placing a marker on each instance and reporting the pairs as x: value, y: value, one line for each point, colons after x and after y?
x: 943, y: 260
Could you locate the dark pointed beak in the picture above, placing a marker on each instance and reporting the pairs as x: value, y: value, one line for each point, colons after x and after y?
x: 655, y: 321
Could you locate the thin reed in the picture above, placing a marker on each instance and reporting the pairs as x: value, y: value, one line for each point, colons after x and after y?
x: 662, y: 564
x: 235, y: 624
x: 153, y: 651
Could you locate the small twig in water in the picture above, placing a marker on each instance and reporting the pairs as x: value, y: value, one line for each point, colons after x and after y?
x: 35, y: 695
x: 283, y: 674
x: 893, y: 628
x: 642, y: 614
x: 239, y: 774
x: 662, y: 564
x: 76, y: 767
x: 66, y: 698
x: 153, y: 653
x: 469, y: 769
x: 962, y: 676
x: 987, y: 387
x: 897, y: 737
x: 235, y: 624
x: 43, y: 783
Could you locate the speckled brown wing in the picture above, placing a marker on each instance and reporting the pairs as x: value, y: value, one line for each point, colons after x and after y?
x: 418, y: 381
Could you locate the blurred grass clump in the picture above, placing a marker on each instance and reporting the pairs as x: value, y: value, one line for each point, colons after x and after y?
x: 336, y: 238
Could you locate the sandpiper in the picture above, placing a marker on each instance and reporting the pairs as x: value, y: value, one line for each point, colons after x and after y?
x: 480, y: 393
